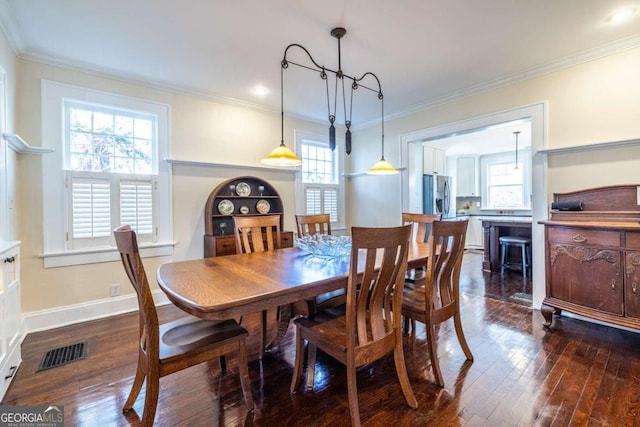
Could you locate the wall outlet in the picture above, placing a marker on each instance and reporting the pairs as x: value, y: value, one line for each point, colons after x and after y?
x: 114, y: 290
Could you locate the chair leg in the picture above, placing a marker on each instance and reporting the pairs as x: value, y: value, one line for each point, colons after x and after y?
x: 245, y: 381
x: 299, y: 360
x: 524, y: 260
x: 457, y: 322
x: 137, y: 384
x: 263, y: 333
x: 151, y: 399
x: 352, y: 391
x: 433, y: 353
x: 503, y: 255
x: 311, y: 366
x: 403, y: 377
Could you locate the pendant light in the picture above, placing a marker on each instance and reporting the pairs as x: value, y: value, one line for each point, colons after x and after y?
x: 282, y: 155
x: 382, y: 167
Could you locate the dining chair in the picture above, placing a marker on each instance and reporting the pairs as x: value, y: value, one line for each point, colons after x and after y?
x: 310, y: 225
x: 171, y: 347
x: 439, y: 299
x: 369, y: 328
x: 259, y: 234
x: 415, y: 278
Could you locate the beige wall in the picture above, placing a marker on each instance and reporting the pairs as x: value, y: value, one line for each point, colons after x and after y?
x: 594, y: 102
x: 201, y: 130
x: 598, y: 101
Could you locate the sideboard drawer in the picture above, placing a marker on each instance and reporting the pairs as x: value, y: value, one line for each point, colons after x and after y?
x: 633, y: 240
x: 582, y: 236
x: 225, y: 246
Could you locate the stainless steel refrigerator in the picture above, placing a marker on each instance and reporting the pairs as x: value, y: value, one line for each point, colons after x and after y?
x: 437, y: 195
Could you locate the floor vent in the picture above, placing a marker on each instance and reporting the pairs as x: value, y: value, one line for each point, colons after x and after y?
x: 63, y: 355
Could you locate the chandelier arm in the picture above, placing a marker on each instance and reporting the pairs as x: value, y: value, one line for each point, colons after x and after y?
x: 318, y: 66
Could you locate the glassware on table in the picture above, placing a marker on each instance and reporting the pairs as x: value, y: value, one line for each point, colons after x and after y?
x: 325, y: 245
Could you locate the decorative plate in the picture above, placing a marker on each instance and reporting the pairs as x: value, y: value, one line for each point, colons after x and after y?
x: 243, y: 189
x: 244, y: 210
x: 225, y: 207
x: 263, y: 206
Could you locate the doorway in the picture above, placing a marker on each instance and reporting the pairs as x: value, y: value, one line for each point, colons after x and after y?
x: 412, y: 159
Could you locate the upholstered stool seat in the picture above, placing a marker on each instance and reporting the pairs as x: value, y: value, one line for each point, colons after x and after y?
x: 505, y: 257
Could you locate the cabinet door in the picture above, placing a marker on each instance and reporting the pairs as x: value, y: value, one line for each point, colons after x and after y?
x: 475, y: 234
x: 632, y: 283
x: 587, y: 276
x: 434, y: 161
x: 466, y: 175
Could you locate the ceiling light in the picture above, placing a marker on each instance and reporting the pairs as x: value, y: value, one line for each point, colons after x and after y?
x: 260, y: 90
x: 621, y: 16
x: 339, y: 78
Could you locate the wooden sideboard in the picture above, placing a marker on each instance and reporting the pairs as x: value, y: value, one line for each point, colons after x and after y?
x: 256, y: 193
x: 593, y: 256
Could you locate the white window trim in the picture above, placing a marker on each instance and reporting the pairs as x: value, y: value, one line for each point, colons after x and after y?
x: 525, y: 155
x: 55, y: 223
x: 301, y: 135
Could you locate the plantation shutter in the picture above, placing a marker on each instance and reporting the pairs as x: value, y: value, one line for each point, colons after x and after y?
x: 91, y: 206
x: 136, y: 205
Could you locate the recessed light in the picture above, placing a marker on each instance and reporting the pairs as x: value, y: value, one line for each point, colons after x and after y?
x: 260, y: 90
x: 621, y: 16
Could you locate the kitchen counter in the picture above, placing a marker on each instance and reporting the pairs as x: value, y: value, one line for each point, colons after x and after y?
x: 496, y: 226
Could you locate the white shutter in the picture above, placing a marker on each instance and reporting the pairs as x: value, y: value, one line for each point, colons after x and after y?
x: 330, y: 203
x: 91, y: 208
x: 136, y: 205
x: 313, y: 200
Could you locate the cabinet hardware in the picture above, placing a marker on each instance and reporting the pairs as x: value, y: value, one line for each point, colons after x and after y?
x: 633, y: 287
x: 579, y: 238
x: 613, y: 284
x: 9, y: 259
x: 12, y: 371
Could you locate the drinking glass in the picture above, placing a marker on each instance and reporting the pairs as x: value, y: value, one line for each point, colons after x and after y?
x: 232, y: 188
x: 261, y: 189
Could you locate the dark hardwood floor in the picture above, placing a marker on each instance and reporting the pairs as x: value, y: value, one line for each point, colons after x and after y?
x: 576, y: 374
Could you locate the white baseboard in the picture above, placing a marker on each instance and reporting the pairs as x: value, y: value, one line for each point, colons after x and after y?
x: 42, y: 320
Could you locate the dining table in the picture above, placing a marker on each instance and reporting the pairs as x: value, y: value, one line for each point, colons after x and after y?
x: 235, y: 285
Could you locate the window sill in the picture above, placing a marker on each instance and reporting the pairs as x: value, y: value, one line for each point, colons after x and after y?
x: 92, y: 256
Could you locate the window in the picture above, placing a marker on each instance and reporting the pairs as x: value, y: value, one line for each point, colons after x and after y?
x: 320, y: 185
x: 107, y: 158
x: 505, y: 184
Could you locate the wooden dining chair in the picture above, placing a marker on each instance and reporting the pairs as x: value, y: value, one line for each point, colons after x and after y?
x: 259, y: 234
x: 310, y: 225
x: 171, y: 347
x: 439, y: 299
x: 369, y: 329
x: 415, y: 277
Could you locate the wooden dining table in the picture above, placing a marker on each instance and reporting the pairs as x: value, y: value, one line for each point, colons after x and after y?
x: 234, y: 285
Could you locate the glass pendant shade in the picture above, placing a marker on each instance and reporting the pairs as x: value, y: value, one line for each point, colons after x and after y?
x: 282, y: 156
x: 382, y: 167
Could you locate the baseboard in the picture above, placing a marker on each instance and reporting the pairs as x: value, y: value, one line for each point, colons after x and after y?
x: 42, y: 320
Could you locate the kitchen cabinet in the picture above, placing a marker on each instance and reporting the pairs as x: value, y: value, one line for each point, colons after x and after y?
x: 593, y: 257
x: 467, y: 180
x: 241, y: 196
x: 434, y: 160
x: 475, y: 233
x: 10, y: 313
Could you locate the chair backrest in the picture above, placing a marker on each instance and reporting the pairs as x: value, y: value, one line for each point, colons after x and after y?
x: 313, y: 224
x: 252, y: 231
x: 127, y: 244
x: 371, y: 292
x: 422, y: 227
x: 442, y: 286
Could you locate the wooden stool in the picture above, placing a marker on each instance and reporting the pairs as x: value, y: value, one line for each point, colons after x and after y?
x: 525, y: 245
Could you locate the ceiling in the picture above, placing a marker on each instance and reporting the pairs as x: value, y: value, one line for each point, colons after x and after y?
x: 423, y: 51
